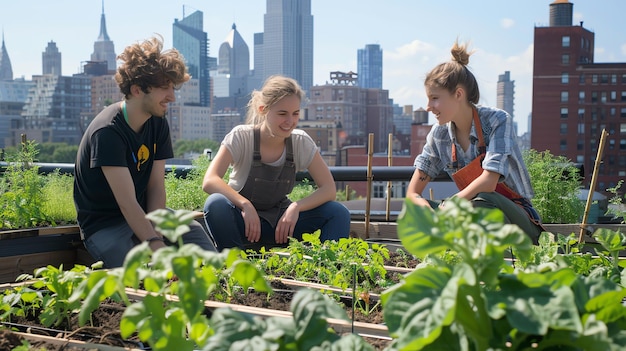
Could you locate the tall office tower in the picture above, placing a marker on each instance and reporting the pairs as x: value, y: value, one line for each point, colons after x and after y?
x: 193, y: 44
x: 575, y: 99
x: 103, y: 48
x: 370, y: 67
x: 53, y: 108
x: 6, y: 70
x: 234, y: 61
x: 288, y: 40
x: 257, y: 74
x: 13, y: 95
x: 51, y: 60
x: 506, y: 92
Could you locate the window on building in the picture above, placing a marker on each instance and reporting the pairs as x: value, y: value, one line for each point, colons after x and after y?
x: 581, y: 97
x: 564, y: 96
x: 603, y: 96
x: 580, y: 158
x: 612, y: 144
x: 623, y: 95
x: 594, y: 96
x: 604, y: 78
x: 594, y: 78
x: 622, y: 112
x: 623, y: 78
x: 613, y: 78
x: 622, y: 144
x: 564, y: 78
x: 565, y: 59
x: 622, y: 128
x: 563, y: 145
x: 581, y: 128
x: 613, y: 110
x: 379, y: 190
x: 564, y: 112
x: 581, y: 79
x: 613, y: 95
x: 563, y: 128
x: 565, y: 40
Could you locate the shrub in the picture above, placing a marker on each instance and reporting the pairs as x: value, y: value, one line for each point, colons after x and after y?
x: 556, y: 183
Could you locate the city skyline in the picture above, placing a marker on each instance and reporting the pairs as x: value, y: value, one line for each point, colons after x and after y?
x: 414, y: 36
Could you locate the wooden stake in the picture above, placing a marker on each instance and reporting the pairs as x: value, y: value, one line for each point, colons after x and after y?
x: 592, y: 186
x: 368, y: 199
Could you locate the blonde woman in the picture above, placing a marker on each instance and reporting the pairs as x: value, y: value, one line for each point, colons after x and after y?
x: 253, y: 210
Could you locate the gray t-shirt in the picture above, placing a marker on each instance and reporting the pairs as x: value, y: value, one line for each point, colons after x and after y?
x: 240, y: 142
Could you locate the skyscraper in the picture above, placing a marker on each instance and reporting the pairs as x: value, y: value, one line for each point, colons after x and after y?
x: 6, y: 70
x: 370, y: 67
x: 51, y: 60
x: 234, y: 61
x: 288, y: 40
x: 506, y: 92
x: 103, y: 48
x: 193, y: 43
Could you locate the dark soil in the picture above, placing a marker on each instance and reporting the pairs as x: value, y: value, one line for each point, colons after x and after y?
x: 106, y: 320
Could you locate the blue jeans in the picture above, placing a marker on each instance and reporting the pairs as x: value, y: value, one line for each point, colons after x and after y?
x: 111, y: 245
x: 225, y: 223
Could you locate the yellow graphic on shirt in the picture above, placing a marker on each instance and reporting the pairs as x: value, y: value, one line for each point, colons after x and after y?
x: 143, y: 154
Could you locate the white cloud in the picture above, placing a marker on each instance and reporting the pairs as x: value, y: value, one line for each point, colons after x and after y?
x: 507, y: 23
x: 623, y: 49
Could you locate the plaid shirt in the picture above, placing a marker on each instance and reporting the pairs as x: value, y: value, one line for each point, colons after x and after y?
x: 503, y: 154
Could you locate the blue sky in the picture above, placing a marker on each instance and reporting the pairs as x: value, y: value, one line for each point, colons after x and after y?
x: 415, y: 35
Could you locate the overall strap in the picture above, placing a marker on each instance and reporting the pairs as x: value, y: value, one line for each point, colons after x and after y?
x: 257, y: 144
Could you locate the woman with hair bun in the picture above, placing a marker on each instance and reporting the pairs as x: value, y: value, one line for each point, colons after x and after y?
x: 476, y: 145
x: 253, y: 210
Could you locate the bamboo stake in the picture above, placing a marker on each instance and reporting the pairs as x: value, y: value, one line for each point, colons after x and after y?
x: 389, y: 163
x: 368, y: 199
x: 592, y: 186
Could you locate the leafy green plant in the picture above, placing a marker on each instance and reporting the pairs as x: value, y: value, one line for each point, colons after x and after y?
x: 21, y: 200
x: 188, y: 272
x: 20, y: 302
x: 617, y: 202
x: 329, y: 262
x: 483, y: 303
x: 308, y: 330
x: 56, y: 305
x: 555, y: 180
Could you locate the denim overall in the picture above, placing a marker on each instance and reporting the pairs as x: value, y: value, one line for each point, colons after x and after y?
x: 267, y: 186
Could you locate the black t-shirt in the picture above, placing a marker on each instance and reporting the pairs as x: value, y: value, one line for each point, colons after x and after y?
x: 109, y: 141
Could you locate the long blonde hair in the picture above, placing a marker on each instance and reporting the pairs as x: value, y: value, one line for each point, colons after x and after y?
x: 274, y: 89
x: 454, y: 73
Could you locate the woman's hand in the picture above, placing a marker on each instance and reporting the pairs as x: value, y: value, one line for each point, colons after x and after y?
x: 252, y: 222
x: 287, y: 223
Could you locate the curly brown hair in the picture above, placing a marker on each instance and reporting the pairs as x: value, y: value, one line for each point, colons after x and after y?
x: 146, y: 65
x: 454, y: 73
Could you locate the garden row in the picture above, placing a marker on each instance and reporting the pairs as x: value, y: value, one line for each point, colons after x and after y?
x: 465, y: 294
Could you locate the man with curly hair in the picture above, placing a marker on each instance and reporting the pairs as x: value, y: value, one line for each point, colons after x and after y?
x: 120, y: 165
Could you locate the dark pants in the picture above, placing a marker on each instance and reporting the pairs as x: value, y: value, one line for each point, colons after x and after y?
x: 513, y: 213
x: 225, y: 223
x: 111, y: 245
